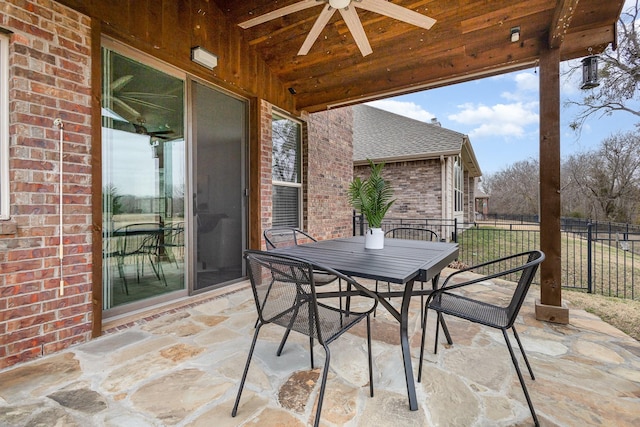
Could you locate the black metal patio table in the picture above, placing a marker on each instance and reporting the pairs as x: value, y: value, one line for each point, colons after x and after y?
x: 400, y: 261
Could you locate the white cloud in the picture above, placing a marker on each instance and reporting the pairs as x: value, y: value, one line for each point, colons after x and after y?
x: 507, y: 120
x: 407, y: 109
x: 527, y: 84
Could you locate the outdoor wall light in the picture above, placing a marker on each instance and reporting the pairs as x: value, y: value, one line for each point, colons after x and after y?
x: 203, y: 57
x: 515, y: 34
x: 590, y: 72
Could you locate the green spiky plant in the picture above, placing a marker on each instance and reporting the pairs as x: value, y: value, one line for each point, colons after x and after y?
x: 372, y: 197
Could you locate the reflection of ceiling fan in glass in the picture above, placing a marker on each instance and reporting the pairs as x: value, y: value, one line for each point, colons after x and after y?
x: 349, y: 15
x: 134, y: 107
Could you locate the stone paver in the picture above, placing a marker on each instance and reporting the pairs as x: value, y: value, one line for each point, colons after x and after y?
x: 183, y: 369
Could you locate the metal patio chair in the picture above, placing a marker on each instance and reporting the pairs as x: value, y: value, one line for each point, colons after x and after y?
x: 282, y: 237
x: 520, y: 268
x: 138, y: 241
x: 411, y: 233
x: 284, y: 291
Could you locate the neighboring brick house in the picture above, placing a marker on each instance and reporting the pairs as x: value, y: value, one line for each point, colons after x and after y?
x: 432, y: 169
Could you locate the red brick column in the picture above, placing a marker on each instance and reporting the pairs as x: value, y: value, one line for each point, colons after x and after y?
x: 49, y: 67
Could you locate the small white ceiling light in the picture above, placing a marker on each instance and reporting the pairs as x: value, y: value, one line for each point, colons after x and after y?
x: 339, y: 4
x: 515, y: 34
x: 203, y: 57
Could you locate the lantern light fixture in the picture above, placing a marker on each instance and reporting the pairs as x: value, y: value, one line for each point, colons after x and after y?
x: 590, y: 72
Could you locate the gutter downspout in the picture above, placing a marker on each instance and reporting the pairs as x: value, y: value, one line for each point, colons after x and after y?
x: 443, y: 171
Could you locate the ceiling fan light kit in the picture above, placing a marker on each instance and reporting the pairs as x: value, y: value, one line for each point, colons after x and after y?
x: 349, y: 15
x: 339, y: 4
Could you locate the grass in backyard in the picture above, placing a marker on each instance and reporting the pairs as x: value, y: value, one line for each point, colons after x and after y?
x: 624, y: 314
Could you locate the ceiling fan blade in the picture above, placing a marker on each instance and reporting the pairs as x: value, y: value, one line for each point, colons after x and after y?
x: 127, y: 110
x: 296, y: 7
x: 352, y: 20
x: 120, y: 83
x: 317, y: 28
x: 394, y: 11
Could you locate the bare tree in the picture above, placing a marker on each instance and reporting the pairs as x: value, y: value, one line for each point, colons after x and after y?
x: 514, y: 190
x: 609, y: 178
x: 619, y: 75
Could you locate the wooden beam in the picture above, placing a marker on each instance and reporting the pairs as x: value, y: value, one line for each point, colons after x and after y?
x: 561, y: 21
x: 96, y: 178
x: 550, y: 238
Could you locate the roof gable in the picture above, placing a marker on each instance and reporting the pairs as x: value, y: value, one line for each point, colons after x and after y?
x: 382, y: 135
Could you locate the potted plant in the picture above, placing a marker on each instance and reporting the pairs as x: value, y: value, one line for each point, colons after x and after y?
x: 372, y: 197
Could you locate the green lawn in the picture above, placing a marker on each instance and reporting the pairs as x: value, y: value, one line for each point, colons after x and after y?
x: 614, y: 271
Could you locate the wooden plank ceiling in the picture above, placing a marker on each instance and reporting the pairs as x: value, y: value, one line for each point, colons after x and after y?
x: 471, y: 39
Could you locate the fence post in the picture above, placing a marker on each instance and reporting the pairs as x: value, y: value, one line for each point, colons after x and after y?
x: 455, y: 230
x: 353, y: 222
x: 589, y: 259
x: 361, y: 224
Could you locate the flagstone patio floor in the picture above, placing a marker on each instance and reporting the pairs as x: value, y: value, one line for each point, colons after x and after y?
x: 182, y: 368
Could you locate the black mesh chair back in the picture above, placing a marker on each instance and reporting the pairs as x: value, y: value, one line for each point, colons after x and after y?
x: 284, y: 293
x: 412, y: 233
x: 281, y: 237
x: 521, y: 269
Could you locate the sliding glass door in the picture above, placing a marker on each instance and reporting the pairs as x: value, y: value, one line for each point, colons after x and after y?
x: 159, y: 245
x: 143, y: 178
x: 219, y: 141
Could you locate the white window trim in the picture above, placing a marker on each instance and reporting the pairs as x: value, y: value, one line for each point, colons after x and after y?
x: 458, y: 185
x: 4, y: 126
x: 298, y: 185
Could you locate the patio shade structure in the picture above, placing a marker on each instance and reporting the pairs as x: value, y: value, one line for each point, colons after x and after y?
x: 470, y: 39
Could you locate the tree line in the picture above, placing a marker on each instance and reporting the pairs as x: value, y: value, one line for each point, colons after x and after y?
x: 601, y: 184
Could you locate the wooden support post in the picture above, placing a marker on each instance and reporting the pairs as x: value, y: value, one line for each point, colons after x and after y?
x: 549, y: 307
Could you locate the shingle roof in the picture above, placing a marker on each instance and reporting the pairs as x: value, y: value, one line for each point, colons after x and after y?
x: 379, y: 134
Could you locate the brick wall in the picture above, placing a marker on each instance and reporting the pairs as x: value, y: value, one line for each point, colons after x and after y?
x: 329, y: 172
x: 327, y: 162
x: 416, y: 185
x: 49, y: 61
x: 266, y: 189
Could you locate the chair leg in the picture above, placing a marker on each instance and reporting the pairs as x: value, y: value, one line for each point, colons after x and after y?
x: 422, y: 304
x: 524, y: 356
x: 520, y: 378
x: 438, y: 321
x: 375, y: 309
x: 286, y: 334
x: 122, y: 276
x: 424, y: 334
x: 246, y: 369
x: 323, y: 383
x: 370, y: 356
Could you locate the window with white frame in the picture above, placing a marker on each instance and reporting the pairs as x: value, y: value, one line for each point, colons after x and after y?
x: 4, y: 126
x: 458, y: 190
x: 286, y: 172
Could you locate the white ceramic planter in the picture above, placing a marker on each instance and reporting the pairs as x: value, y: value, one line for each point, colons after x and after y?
x: 374, y: 238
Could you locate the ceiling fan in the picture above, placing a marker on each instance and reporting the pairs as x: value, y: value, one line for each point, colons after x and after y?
x: 349, y: 15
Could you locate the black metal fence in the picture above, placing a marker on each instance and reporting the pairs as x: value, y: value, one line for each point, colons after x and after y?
x: 597, y: 257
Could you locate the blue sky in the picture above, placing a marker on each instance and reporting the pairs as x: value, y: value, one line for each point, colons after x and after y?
x: 501, y: 116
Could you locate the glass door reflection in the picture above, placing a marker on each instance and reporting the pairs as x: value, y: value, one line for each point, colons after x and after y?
x: 143, y: 164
